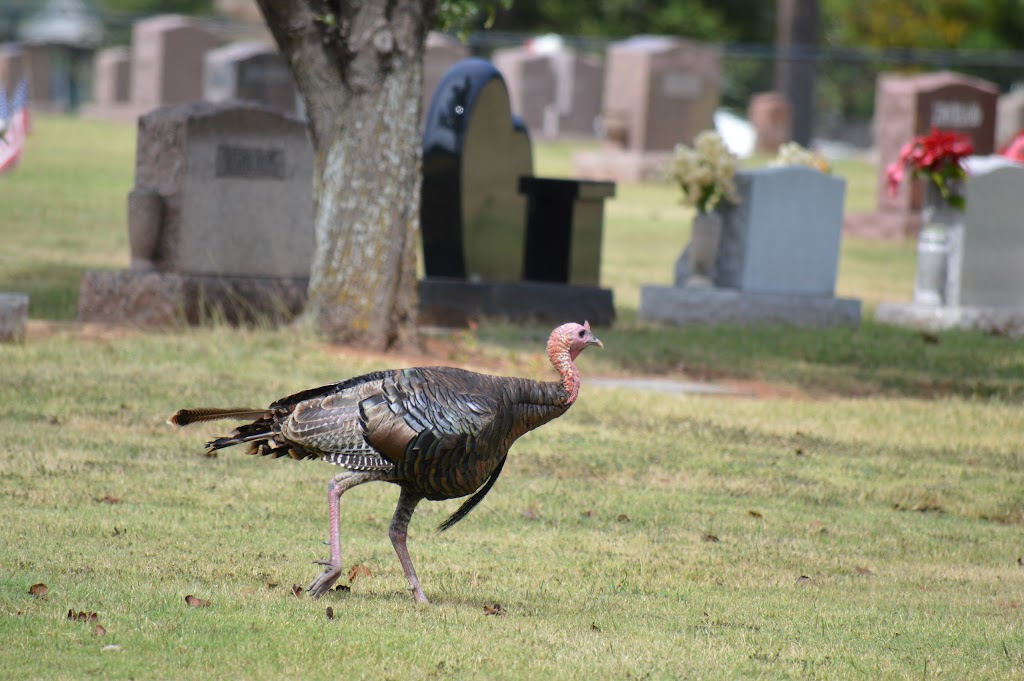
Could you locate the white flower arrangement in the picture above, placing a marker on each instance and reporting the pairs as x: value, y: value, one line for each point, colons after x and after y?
x: 705, y: 172
x: 792, y: 154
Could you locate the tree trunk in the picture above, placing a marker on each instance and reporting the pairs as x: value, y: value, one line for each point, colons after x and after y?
x: 359, y: 68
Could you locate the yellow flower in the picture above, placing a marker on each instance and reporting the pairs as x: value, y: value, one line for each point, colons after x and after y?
x: 705, y: 173
x: 792, y: 154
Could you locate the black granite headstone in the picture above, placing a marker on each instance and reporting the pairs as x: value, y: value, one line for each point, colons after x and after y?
x: 478, y: 202
x: 474, y: 151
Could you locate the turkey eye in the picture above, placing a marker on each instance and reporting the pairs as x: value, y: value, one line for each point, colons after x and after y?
x: 581, y: 333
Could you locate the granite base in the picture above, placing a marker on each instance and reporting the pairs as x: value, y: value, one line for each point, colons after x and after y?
x: 694, y: 306
x: 451, y: 302
x: 161, y: 299
x: 1008, y: 321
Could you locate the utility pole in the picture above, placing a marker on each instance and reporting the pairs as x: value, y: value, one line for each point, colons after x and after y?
x: 797, y: 36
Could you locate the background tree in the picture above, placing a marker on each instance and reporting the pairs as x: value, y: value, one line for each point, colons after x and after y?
x: 359, y: 68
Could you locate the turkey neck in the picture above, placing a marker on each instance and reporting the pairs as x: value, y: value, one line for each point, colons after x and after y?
x: 563, y: 362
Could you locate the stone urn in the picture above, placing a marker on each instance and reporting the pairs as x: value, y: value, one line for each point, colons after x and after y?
x: 705, y: 235
x: 942, y: 227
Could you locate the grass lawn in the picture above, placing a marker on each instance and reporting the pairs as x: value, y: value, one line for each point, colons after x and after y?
x: 859, y: 516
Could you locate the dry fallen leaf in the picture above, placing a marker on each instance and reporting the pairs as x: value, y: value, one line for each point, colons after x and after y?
x: 589, y: 513
x: 594, y: 627
x: 357, y: 571
x: 109, y: 499
x: 622, y: 518
x: 99, y: 630
x: 803, y: 580
x: 296, y: 590
x: 495, y: 609
x: 342, y: 587
x: 531, y: 512
x: 863, y: 571
x: 330, y: 613
x: 39, y: 590
x: 755, y: 514
x: 710, y: 538
x: 196, y: 602
x: 82, y: 616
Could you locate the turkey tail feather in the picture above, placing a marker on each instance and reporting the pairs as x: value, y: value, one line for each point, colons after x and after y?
x: 470, y: 503
x: 184, y: 417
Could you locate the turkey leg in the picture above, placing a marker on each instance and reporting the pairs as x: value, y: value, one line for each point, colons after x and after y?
x: 338, y: 485
x: 399, y: 524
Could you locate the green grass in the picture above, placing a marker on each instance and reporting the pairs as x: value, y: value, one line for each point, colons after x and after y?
x: 863, y: 522
x: 904, y: 516
x: 64, y: 211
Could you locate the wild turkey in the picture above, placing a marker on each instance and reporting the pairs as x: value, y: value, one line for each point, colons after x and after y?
x: 436, y: 432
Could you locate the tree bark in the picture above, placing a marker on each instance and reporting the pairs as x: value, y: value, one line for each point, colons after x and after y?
x: 358, y: 66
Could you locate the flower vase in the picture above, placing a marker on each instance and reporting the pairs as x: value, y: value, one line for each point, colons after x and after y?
x: 705, y: 235
x: 941, y: 224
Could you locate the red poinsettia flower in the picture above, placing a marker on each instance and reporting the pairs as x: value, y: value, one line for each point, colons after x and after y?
x: 937, y: 156
x: 1015, y: 149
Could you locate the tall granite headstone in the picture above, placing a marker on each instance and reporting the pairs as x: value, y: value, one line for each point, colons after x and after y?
x: 167, y: 60
x: 906, y: 106
x: 482, y: 209
x: 658, y: 92
x: 557, y: 92
x: 112, y: 73
x: 250, y: 71
x: 221, y: 215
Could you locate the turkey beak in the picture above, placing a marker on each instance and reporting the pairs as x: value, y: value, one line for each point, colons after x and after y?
x: 594, y: 340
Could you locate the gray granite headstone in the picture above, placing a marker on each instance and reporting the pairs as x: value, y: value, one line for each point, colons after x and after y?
x: 991, y: 262
x: 112, y: 84
x: 13, y: 317
x: 557, y: 93
x: 251, y: 71
x: 236, y: 181
x: 783, y: 236
x: 167, y: 60
x: 659, y: 91
x: 1009, y: 116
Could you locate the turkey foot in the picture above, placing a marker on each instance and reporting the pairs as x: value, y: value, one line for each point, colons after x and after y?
x: 324, y: 582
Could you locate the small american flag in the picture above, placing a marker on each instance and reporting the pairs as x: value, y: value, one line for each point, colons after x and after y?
x: 14, y: 125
